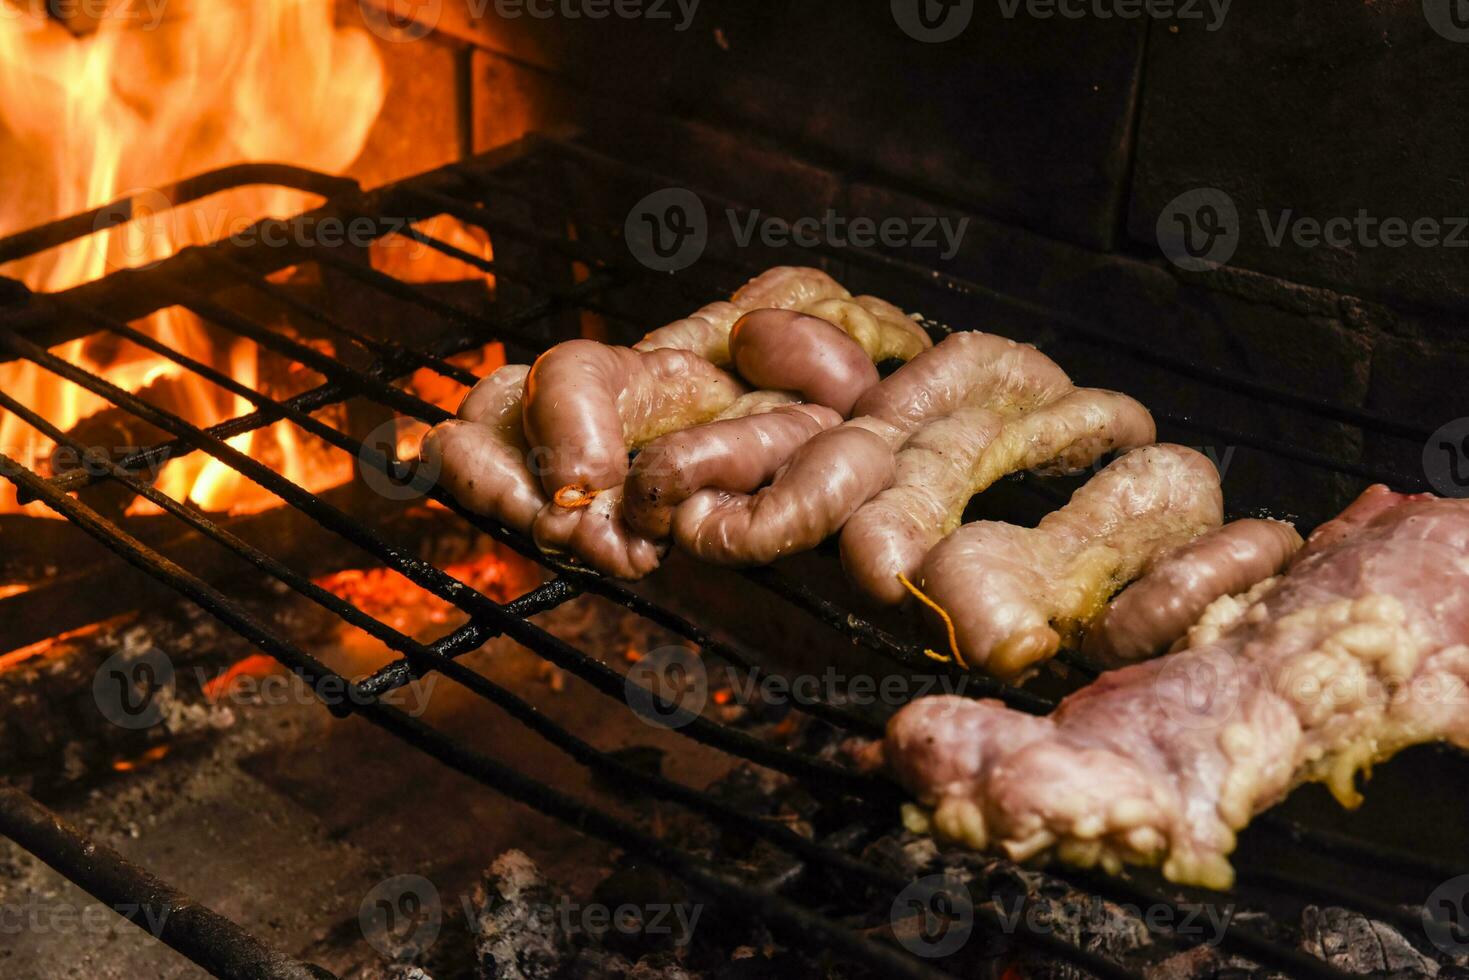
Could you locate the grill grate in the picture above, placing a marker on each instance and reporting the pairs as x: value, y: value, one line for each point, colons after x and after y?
x: 477, y: 192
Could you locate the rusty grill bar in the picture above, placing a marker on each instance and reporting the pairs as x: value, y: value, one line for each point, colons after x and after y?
x: 473, y: 192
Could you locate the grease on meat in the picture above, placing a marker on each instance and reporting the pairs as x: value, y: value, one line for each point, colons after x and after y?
x: 1014, y: 594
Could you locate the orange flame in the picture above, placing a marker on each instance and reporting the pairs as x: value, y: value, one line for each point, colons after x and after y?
x: 153, y: 95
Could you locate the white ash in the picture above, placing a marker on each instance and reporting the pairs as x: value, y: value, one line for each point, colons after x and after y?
x: 517, y: 935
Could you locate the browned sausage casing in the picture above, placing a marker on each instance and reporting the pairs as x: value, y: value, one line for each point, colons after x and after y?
x: 1160, y: 607
x: 737, y: 455
x: 480, y: 458
x: 950, y: 459
x: 825, y: 482
x: 1012, y: 592
x: 706, y: 332
x: 598, y: 535
x: 966, y: 368
x: 587, y: 404
x: 790, y: 351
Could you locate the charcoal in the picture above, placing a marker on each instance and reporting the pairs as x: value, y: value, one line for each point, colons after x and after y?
x: 906, y: 854
x: 1350, y: 941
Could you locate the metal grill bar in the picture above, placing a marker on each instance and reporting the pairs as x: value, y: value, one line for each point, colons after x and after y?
x: 198, y: 932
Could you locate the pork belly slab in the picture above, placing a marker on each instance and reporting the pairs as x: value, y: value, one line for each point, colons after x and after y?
x: 1357, y: 652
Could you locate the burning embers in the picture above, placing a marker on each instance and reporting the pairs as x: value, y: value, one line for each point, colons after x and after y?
x: 131, y: 104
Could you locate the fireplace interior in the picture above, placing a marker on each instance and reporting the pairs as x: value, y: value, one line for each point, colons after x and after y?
x: 277, y: 706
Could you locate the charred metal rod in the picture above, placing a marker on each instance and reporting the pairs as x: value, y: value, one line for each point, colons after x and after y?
x: 384, y: 348
x: 197, y: 931
x: 182, y: 192
x: 471, y: 636
x: 333, y: 370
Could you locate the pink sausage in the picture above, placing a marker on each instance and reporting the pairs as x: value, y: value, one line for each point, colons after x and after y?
x: 483, y: 471
x: 790, y: 351
x: 586, y: 404
x: 737, y: 455
x: 813, y: 496
x: 598, y: 535
x: 1161, y: 606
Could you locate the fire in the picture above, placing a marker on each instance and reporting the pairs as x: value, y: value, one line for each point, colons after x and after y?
x: 154, y: 94
x: 255, y: 665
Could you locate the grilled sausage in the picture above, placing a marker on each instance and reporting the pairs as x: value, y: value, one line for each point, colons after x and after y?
x: 952, y: 458
x: 1012, y: 592
x: 481, y: 458
x: 596, y: 532
x: 706, y: 332
x: 587, y: 404
x: 790, y: 351
x: 825, y: 482
x: 737, y: 455
x: 1160, y: 607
